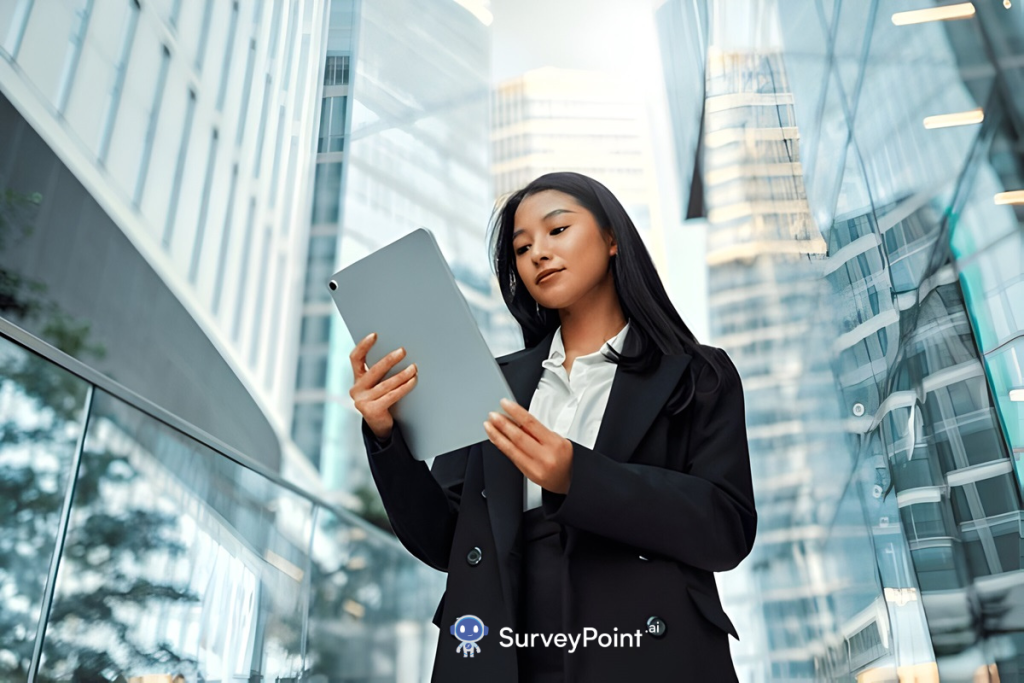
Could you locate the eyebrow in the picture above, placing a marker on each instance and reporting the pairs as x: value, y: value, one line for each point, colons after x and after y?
x: 550, y: 214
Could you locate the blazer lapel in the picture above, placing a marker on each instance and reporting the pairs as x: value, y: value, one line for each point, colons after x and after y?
x: 633, y: 403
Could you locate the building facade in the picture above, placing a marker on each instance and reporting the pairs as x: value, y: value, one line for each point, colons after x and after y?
x: 402, y: 144
x: 863, y: 205
x: 200, y: 170
x: 552, y: 119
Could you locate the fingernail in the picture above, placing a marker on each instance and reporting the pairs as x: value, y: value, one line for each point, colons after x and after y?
x: 492, y: 415
x: 506, y: 402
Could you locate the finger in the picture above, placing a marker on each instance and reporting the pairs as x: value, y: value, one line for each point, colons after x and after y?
x: 524, y: 441
x: 389, y: 398
x: 510, y: 450
x: 358, y: 355
x: 524, y: 418
x: 392, y: 397
x: 381, y: 367
x: 396, y: 380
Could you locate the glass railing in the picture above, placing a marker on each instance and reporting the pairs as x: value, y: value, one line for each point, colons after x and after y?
x: 136, y: 548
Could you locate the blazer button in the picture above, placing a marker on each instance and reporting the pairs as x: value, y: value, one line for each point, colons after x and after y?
x: 483, y: 492
x: 656, y: 626
x: 474, y: 556
x: 644, y: 558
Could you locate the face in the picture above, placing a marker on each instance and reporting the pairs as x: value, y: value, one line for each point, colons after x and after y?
x: 553, y: 232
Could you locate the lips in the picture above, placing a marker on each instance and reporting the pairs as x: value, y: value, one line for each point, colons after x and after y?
x: 547, y: 275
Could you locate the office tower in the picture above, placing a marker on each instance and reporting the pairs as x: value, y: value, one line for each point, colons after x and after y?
x: 764, y: 254
x: 168, y: 143
x: 402, y: 144
x: 154, y: 181
x: 595, y: 123
x: 889, y: 542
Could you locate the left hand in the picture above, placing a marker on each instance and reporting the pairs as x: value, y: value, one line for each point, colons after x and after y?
x: 544, y: 457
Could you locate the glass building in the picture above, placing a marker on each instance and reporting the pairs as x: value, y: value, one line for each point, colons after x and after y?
x: 402, y: 144
x: 590, y: 122
x: 165, y: 144
x: 154, y: 190
x: 862, y: 174
x: 134, y: 547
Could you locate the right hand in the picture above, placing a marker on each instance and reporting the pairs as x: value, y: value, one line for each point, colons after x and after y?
x: 373, y: 398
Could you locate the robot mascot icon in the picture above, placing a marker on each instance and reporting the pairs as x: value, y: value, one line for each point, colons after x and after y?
x: 468, y: 629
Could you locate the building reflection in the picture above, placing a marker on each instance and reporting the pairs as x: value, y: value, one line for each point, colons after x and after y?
x: 859, y: 166
x: 135, y: 544
x: 859, y: 179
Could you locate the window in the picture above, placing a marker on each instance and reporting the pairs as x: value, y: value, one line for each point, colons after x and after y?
x: 327, y: 193
x: 316, y: 329
x: 312, y: 371
x: 336, y: 71
x: 332, y: 124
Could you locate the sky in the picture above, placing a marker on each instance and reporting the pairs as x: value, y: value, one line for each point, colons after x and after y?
x: 613, y: 35
x: 618, y: 36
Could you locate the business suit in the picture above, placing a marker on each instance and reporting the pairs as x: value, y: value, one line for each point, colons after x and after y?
x: 652, y: 510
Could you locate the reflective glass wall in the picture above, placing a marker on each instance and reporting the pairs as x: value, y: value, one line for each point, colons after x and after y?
x: 132, y: 545
x: 402, y: 145
x: 862, y: 167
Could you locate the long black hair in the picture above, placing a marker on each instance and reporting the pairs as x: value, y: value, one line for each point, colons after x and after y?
x: 656, y: 328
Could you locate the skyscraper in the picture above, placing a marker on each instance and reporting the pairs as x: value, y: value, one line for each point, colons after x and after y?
x: 552, y: 119
x: 402, y: 144
x: 854, y: 202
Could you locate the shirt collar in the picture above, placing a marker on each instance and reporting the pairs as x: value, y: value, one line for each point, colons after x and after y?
x: 556, y: 355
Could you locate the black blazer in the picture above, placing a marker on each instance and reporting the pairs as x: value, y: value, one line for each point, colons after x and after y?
x: 653, y: 509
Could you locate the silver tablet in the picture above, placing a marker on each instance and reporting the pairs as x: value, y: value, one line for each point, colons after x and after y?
x: 405, y: 293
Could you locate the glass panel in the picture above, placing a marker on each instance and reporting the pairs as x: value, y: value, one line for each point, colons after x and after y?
x: 177, y: 560
x: 41, y: 419
x: 378, y: 595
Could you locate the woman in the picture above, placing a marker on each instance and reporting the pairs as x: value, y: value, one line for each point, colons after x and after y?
x: 615, y: 484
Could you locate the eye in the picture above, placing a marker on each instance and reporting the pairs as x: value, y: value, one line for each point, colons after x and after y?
x: 556, y: 231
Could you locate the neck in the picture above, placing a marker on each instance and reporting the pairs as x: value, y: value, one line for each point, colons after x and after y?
x: 592, y: 321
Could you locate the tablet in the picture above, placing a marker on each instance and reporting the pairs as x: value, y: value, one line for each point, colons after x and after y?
x: 405, y: 292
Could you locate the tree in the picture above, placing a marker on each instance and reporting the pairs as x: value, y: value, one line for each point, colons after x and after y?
x: 41, y: 415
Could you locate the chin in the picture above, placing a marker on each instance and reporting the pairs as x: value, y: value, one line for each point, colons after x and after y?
x: 553, y: 304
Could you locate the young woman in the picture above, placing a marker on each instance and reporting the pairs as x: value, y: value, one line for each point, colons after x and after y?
x: 584, y: 529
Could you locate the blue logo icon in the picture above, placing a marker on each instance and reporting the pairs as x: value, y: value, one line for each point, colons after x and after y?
x: 468, y: 629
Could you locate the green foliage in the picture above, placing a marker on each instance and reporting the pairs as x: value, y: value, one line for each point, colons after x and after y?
x: 106, y: 547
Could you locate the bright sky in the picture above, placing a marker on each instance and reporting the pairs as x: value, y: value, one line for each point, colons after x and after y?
x: 612, y: 35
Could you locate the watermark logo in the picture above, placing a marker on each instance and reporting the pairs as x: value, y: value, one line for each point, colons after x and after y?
x: 509, y: 638
x: 468, y: 629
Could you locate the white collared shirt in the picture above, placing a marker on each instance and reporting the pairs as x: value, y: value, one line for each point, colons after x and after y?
x: 572, y: 404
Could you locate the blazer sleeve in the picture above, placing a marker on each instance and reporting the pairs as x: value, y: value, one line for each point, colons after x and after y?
x: 422, y: 502
x: 703, y: 516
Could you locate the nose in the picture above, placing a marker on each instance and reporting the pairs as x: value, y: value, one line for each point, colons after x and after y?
x: 539, y: 251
